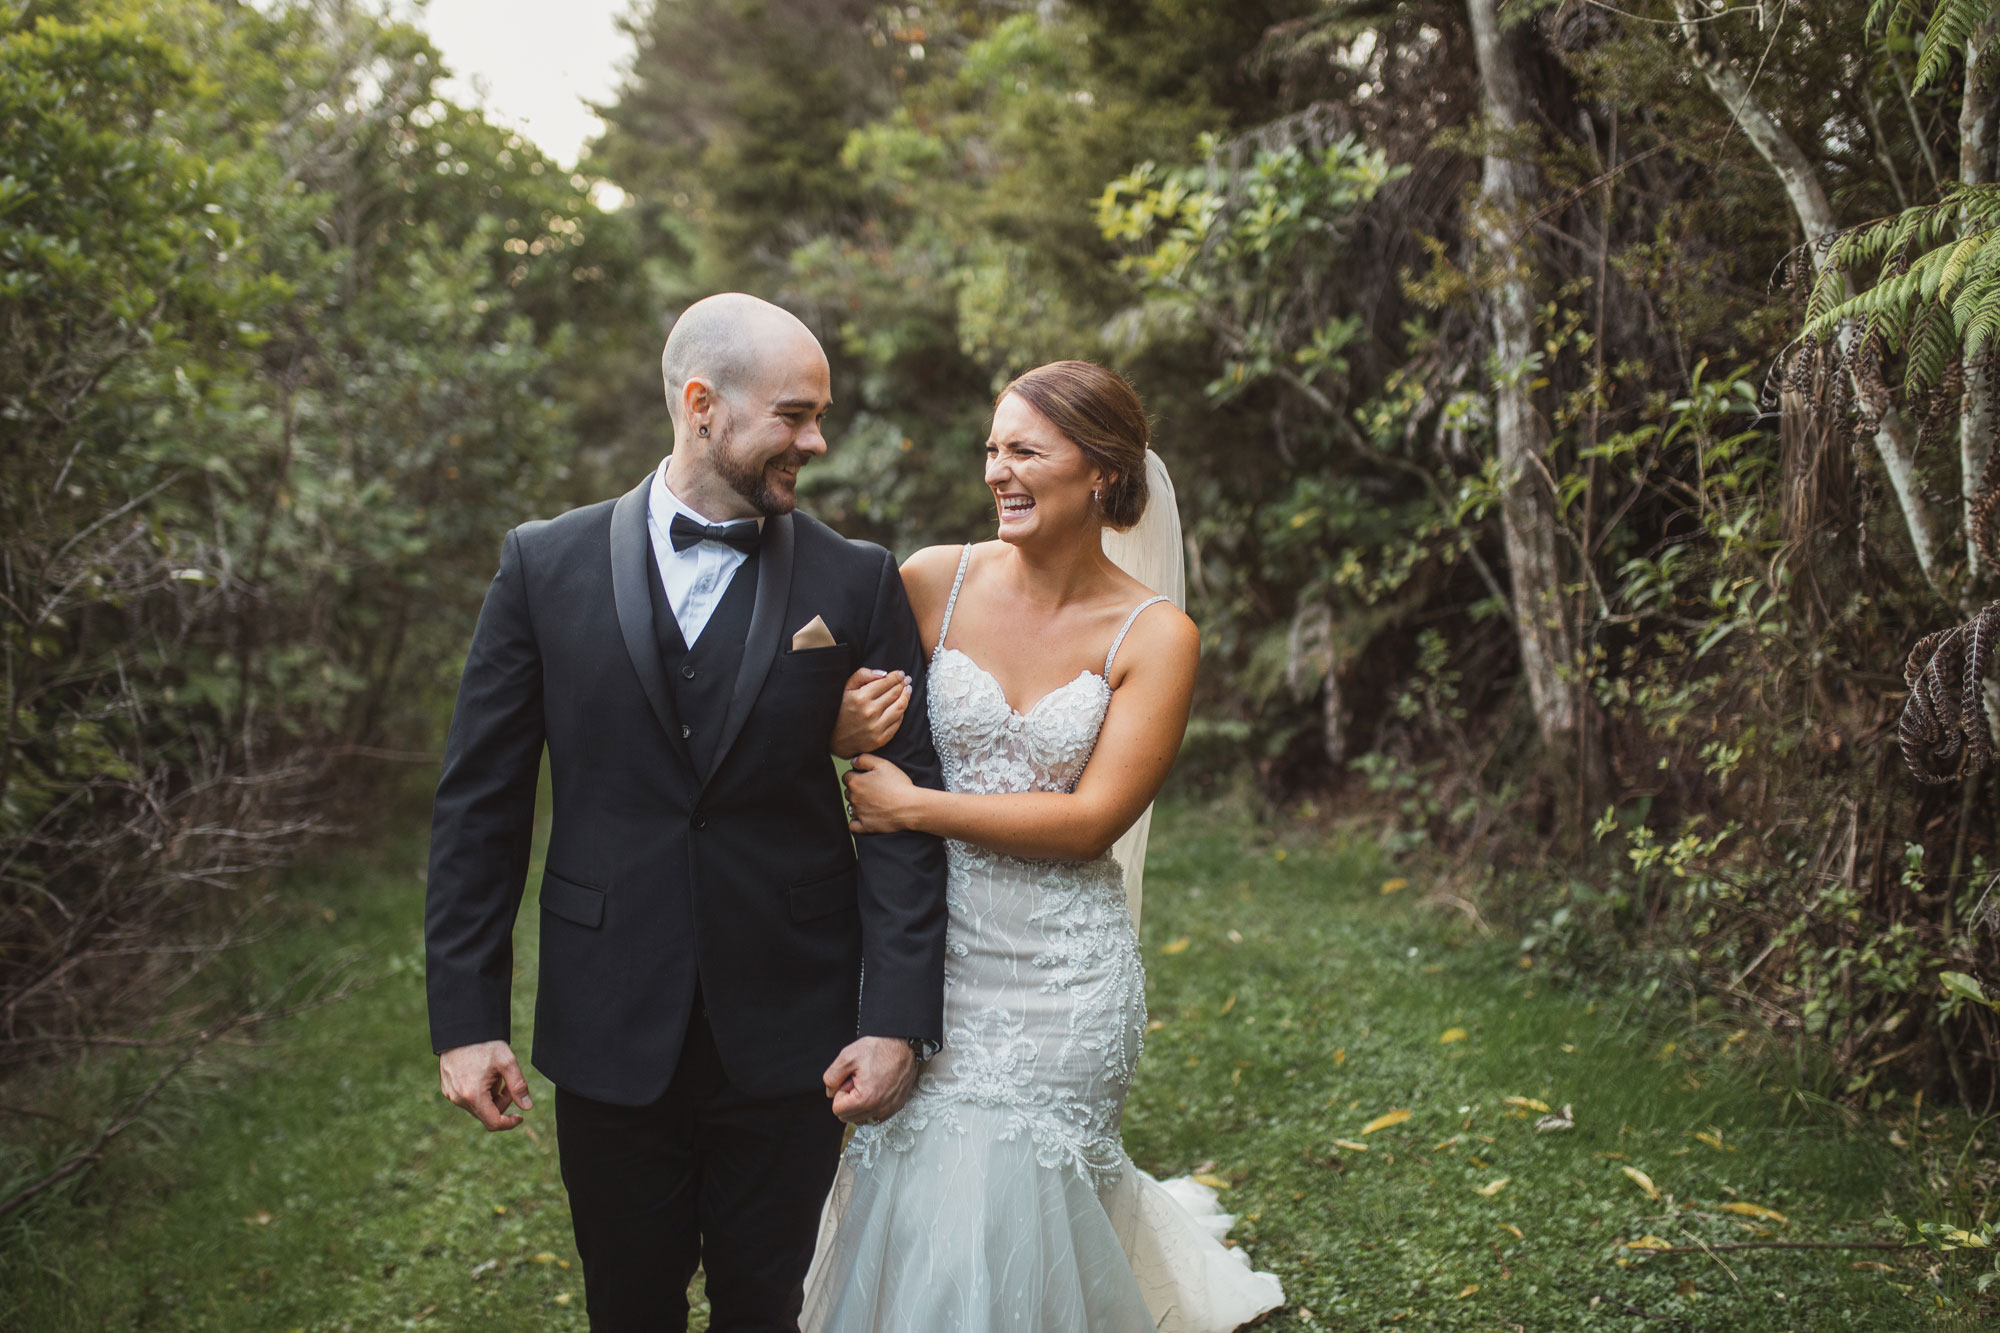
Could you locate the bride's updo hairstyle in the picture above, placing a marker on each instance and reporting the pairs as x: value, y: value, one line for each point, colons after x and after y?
x: 1101, y: 415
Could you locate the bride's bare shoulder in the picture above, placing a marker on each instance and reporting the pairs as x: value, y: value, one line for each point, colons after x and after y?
x: 931, y: 570
x: 927, y: 577
x: 1163, y: 641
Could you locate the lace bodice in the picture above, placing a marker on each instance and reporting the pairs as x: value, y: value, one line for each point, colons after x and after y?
x: 987, y: 745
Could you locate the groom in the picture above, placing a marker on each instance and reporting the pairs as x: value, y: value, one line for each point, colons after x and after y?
x: 718, y: 955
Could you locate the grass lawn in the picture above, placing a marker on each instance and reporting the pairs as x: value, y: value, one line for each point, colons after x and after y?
x: 319, y: 1182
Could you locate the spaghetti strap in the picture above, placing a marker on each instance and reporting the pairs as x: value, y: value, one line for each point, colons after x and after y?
x: 1125, y: 629
x: 951, y: 602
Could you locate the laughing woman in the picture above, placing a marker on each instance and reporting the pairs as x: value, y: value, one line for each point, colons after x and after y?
x: 1000, y: 1197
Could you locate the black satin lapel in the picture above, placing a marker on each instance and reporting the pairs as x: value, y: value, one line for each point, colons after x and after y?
x: 760, y: 646
x: 631, y: 564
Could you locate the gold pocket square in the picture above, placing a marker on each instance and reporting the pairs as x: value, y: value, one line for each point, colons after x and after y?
x: 814, y: 635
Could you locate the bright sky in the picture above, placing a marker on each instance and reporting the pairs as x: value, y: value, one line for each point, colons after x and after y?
x: 531, y: 64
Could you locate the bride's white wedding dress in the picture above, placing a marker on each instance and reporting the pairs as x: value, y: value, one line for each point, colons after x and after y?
x: 1000, y: 1197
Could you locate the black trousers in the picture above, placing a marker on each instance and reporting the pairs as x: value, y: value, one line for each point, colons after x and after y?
x: 703, y: 1176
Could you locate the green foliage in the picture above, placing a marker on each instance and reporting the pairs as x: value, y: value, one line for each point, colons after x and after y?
x: 1244, y: 252
x: 284, y: 349
x: 1934, y: 294
x: 1951, y: 25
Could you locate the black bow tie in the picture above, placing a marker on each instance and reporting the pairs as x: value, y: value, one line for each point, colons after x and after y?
x: 687, y: 532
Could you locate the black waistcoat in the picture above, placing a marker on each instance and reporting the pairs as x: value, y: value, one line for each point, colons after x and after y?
x: 702, y: 678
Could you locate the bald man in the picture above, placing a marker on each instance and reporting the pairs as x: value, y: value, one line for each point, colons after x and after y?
x: 706, y: 918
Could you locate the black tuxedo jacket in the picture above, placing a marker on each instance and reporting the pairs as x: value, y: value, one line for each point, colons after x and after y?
x: 743, y: 879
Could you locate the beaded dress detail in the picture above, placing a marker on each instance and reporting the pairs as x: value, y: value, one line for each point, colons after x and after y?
x: 1000, y: 1197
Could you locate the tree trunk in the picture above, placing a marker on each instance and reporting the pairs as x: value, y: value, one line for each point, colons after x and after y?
x: 1894, y: 444
x: 1978, y: 121
x: 1543, y: 623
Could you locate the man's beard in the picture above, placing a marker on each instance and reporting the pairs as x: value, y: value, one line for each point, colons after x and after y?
x: 753, y: 481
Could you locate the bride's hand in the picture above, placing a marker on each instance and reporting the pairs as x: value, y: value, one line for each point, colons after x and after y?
x: 878, y: 796
x: 871, y: 709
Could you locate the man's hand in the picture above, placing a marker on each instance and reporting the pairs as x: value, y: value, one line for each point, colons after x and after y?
x: 485, y: 1080
x: 871, y: 1079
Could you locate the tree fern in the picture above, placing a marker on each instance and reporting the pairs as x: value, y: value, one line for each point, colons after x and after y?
x: 1934, y: 270
x: 1951, y: 25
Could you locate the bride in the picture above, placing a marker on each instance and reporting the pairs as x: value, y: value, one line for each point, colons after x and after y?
x: 1000, y: 1196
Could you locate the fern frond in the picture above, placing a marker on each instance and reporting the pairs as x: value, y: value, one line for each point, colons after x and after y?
x: 1952, y: 24
x: 1983, y: 326
x: 1979, y: 282
x: 1932, y: 345
x: 1951, y: 267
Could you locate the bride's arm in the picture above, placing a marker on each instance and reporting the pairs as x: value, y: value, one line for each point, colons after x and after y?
x: 1136, y: 748
x: 873, y: 703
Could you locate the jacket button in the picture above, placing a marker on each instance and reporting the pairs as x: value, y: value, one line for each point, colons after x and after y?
x: 686, y: 730
x: 701, y: 821
x: 687, y: 673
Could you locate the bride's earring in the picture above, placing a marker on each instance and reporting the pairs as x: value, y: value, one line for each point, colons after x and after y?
x: 702, y: 431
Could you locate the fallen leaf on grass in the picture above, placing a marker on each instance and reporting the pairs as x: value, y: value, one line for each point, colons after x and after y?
x: 1227, y: 1005
x: 1385, y: 1120
x: 260, y: 1218
x: 563, y: 1299
x: 481, y: 1270
x: 1712, y: 1140
x: 1470, y: 1287
x: 1176, y: 946
x: 1643, y: 1181
x: 1525, y: 1103
x: 1340, y: 1056
x: 1509, y: 1226
x: 1493, y: 1187
x: 1563, y: 1119
x: 1156, y: 1025
x: 1350, y: 1145
x: 1758, y: 1211
x: 1875, y: 1264
x: 1396, y: 885
x: 1648, y: 1243
x: 543, y: 1258
x: 1211, y: 1180
x: 1451, y: 1035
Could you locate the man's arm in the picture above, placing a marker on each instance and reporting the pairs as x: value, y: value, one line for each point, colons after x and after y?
x: 901, y: 897
x: 482, y: 825
x: 902, y: 875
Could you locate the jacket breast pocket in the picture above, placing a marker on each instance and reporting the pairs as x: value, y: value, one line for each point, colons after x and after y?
x: 823, y: 897
x: 837, y: 657
x: 573, y: 902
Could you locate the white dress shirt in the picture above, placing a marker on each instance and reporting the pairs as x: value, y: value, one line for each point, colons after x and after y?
x: 696, y: 578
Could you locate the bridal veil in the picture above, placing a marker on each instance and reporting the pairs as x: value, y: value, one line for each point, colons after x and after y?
x: 1150, y: 551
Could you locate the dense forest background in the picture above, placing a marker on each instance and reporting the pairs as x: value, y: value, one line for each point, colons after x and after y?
x: 1578, y: 413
